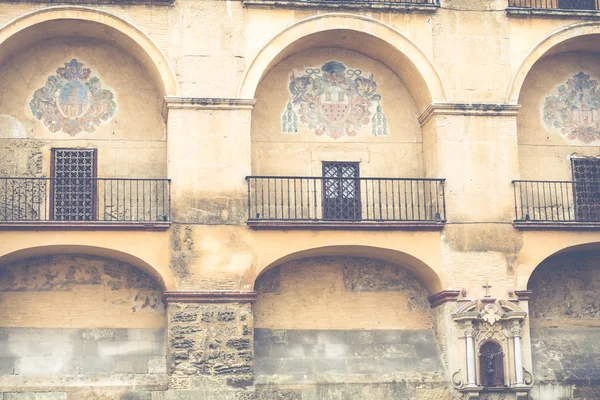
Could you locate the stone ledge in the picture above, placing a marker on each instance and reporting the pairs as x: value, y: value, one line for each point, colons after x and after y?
x: 205, y: 103
x: 565, y: 226
x: 471, y: 109
x: 552, y: 13
x: 373, y: 5
x: 348, y: 225
x: 91, y: 225
x: 83, y: 382
x: 442, y: 297
x: 189, y: 296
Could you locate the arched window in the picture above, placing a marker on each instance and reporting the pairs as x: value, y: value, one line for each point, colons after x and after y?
x: 491, y: 365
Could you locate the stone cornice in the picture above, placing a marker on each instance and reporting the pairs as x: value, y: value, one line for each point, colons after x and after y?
x: 523, y: 294
x: 442, y: 297
x: 374, y: 5
x: 552, y: 13
x: 191, y: 296
x: 476, y: 109
x: 205, y: 103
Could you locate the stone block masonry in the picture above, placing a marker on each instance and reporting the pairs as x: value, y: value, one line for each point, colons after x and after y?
x: 209, y: 349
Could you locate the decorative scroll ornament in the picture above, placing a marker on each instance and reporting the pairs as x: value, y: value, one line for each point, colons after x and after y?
x: 73, y: 101
x: 334, y: 101
x: 491, y: 314
x: 574, y: 110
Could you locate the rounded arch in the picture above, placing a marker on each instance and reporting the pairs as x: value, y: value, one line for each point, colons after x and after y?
x: 569, y: 38
x: 49, y: 22
x: 583, y: 247
x: 366, y: 35
x: 419, y: 269
x: 86, y: 250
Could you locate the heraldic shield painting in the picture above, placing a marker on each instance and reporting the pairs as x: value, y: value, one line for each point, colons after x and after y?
x: 334, y: 101
x: 73, y: 101
x: 574, y: 110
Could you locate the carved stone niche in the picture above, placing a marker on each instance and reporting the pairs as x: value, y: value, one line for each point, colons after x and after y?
x: 493, y: 361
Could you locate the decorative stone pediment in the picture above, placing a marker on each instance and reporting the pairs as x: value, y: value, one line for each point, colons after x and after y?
x: 490, y: 311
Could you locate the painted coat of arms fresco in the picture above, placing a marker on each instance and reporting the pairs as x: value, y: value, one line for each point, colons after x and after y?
x: 334, y: 101
x: 73, y: 101
x: 574, y: 110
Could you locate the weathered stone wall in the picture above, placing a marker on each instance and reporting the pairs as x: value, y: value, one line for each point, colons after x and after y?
x: 73, y: 323
x: 345, y: 326
x: 565, y: 322
x: 209, y: 350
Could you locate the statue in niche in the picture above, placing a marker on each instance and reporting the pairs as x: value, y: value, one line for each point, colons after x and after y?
x: 491, y: 364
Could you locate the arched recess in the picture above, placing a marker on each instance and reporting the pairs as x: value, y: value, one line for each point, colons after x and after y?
x: 163, y: 282
x: 425, y: 274
x: 80, y: 316
x: 544, y: 246
x: 575, y: 37
x: 49, y: 22
x: 324, y: 313
x: 366, y: 35
x: 564, y: 319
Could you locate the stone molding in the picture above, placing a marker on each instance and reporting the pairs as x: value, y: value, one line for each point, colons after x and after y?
x: 523, y: 295
x: 205, y: 103
x: 474, y: 109
x: 374, y: 5
x: 206, y: 297
x: 442, y: 297
x: 552, y: 13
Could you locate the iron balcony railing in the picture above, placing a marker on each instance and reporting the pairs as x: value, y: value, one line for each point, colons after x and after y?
x: 345, y: 199
x: 557, y: 201
x: 84, y: 200
x: 556, y: 4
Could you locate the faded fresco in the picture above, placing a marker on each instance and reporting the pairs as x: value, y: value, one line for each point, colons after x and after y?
x: 73, y: 101
x: 574, y: 110
x: 334, y: 101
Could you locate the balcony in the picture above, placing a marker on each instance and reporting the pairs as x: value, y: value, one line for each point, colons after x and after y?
x: 427, y: 6
x: 557, y: 204
x: 84, y: 203
x: 288, y: 202
x: 554, y: 8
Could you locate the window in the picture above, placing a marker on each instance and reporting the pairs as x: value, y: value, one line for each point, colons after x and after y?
x: 491, y: 364
x: 341, y: 193
x: 586, y: 188
x: 73, y: 184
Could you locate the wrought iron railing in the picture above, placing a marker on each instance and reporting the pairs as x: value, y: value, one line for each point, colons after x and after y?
x: 84, y: 200
x: 557, y: 201
x: 556, y: 4
x: 305, y: 199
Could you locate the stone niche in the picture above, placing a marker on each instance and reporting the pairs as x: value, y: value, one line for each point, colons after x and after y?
x: 78, y: 323
x: 345, y: 327
x: 120, y: 115
x: 565, y: 325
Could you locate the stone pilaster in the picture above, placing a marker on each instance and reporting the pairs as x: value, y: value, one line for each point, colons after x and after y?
x: 210, y: 342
